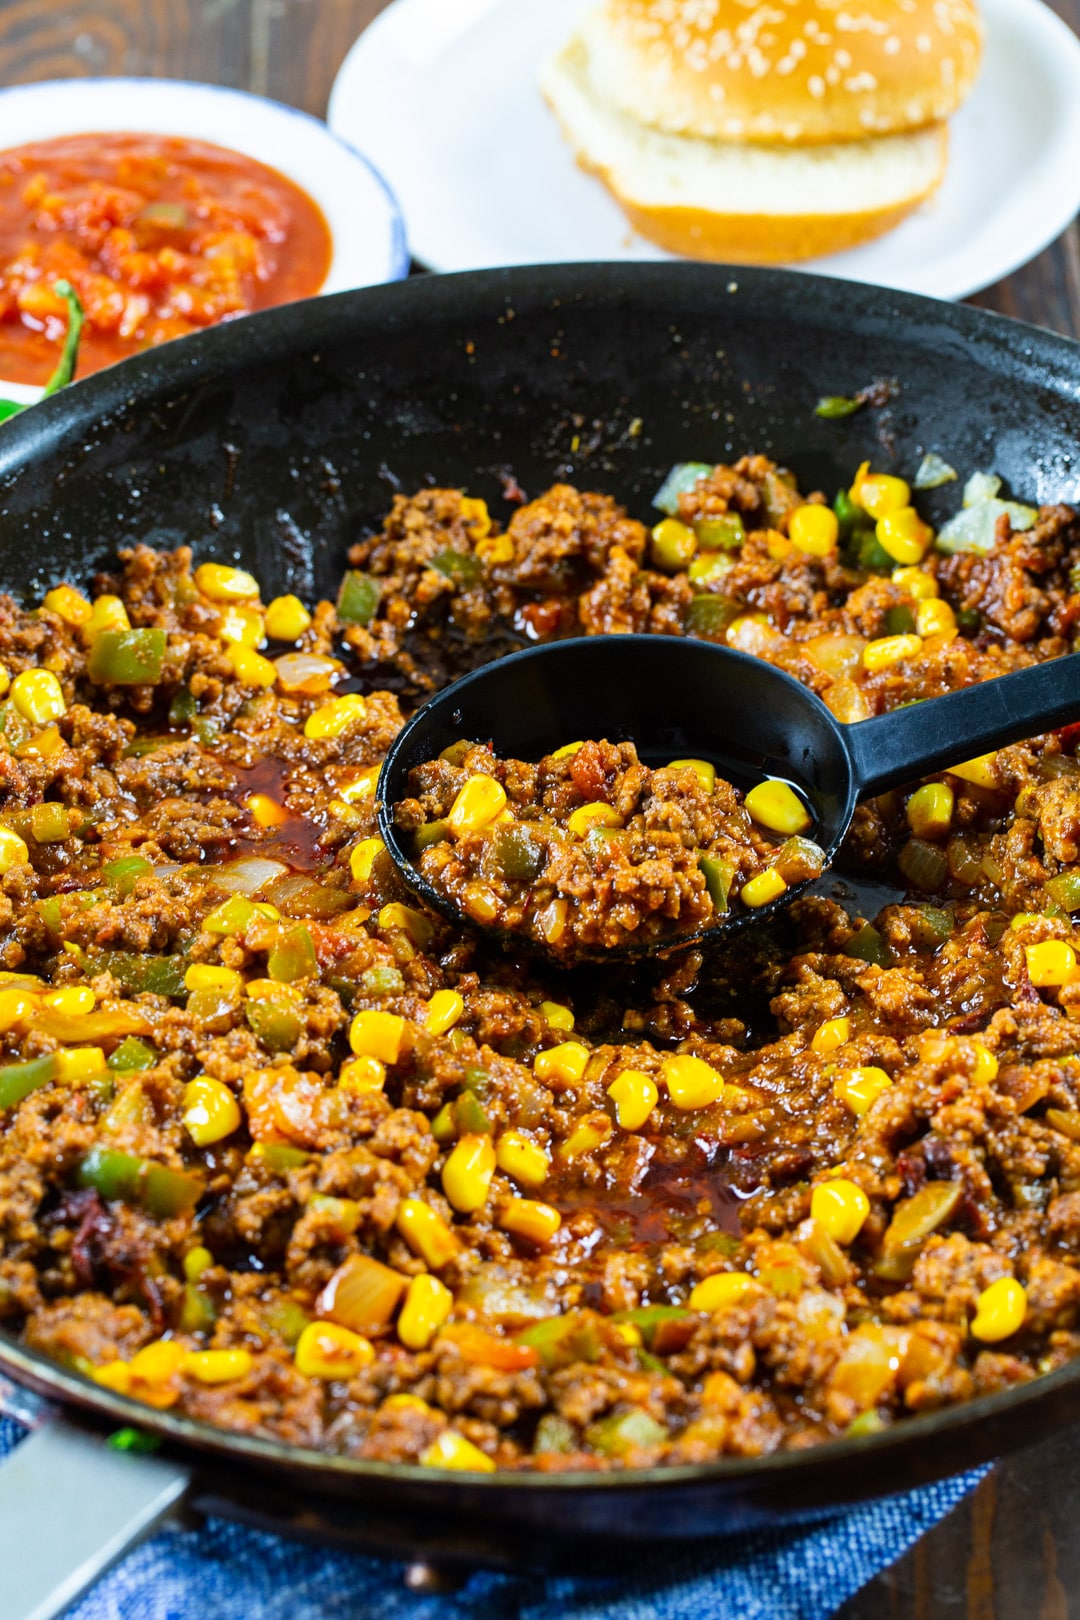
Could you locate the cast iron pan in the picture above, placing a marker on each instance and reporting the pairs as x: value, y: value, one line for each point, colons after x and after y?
x: 276, y: 441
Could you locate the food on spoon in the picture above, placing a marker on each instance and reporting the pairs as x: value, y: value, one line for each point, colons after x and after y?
x: 590, y: 850
x: 765, y: 134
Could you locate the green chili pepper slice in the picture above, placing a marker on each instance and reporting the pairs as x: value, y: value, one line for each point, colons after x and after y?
x: 358, y: 598
x: 127, y: 657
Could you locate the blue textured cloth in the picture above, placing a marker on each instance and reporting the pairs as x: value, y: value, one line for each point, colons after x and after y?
x: 223, y: 1572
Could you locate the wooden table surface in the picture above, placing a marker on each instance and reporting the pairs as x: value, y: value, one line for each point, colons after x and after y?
x: 1012, y: 1550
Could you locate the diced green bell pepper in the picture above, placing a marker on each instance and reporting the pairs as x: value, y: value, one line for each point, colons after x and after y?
x: 358, y: 598
x: 127, y: 657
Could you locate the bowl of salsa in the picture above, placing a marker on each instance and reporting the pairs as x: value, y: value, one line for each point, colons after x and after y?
x: 170, y: 207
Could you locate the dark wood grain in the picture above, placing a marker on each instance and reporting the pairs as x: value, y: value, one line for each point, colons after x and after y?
x: 1011, y: 1551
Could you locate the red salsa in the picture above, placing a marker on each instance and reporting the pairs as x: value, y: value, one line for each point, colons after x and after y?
x: 159, y: 235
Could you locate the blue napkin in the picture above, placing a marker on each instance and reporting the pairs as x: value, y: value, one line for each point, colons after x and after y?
x: 801, y: 1573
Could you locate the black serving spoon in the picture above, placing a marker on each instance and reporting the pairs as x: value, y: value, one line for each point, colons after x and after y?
x: 675, y: 697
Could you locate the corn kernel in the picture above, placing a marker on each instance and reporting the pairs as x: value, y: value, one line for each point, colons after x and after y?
x: 840, y: 1207
x: 444, y: 1010
x: 327, y: 1350
x: 523, y: 1159
x: 452, y: 1450
x: 591, y: 1134
x: 705, y: 773
x: 586, y: 816
x: 115, y: 1375
x: 211, y: 1112
x: 426, y: 1233
x: 157, y: 1363
x: 889, y: 650
x: 830, y: 1035
x: 16, y: 1004
x: 287, y: 618
x: 74, y: 1064
x: 999, y: 1311
x: 427, y: 1305
x: 218, y: 1366
x: 107, y: 613
x: 878, y: 493
x: 1050, y: 964
x: 467, y: 1173
x: 722, y: 1290
x: 930, y: 810
x: 778, y: 807
x: 476, y: 515
x: 986, y: 1064
x: 362, y: 858
x: 377, y: 1034
x: 265, y: 811
x: 204, y: 976
x: 917, y: 582
x: 979, y: 771
x: 567, y: 751
x: 495, y: 549
x: 249, y: 667
x: 476, y: 805
x: 629, y: 1334
x: 935, y: 618
x: 13, y: 850
x: 72, y: 999
x: 858, y: 1088
x: 68, y: 604
x: 635, y: 1095
x: 38, y: 696
x: 402, y: 1402
x: 331, y: 719
x: 394, y: 916
x: 196, y: 1261
x: 760, y: 890
x: 362, y: 1075
x: 5, y: 680
x: 525, y: 1217
x: 904, y: 535
x: 241, y: 624
x: 691, y: 1082
x: 222, y: 584
x: 556, y: 1016
x: 814, y: 529
x: 567, y: 1062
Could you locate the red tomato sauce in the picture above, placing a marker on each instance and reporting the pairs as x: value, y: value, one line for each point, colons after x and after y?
x: 159, y: 235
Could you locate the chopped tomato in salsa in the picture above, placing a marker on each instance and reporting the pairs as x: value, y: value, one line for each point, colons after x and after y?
x: 159, y: 236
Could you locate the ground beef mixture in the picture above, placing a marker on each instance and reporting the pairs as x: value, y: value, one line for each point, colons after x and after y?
x: 284, y: 1152
x: 590, y: 852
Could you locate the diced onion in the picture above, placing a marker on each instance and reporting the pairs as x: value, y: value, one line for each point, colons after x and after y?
x: 973, y: 528
x: 981, y: 487
x: 249, y: 876
x: 933, y: 472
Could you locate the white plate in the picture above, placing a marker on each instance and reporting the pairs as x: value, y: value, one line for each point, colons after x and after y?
x: 442, y: 95
x: 366, y: 229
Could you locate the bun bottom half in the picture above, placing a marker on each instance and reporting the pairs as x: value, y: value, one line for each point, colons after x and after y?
x: 742, y: 203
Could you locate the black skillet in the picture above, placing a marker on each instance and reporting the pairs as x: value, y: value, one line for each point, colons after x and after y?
x: 276, y: 441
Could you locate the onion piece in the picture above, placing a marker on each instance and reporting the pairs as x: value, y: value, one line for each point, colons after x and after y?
x: 250, y: 875
x: 933, y: 472
x: 973, y: 528
x: 981, y: 487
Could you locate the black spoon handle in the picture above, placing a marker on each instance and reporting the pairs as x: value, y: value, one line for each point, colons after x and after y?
x: 930, y: 736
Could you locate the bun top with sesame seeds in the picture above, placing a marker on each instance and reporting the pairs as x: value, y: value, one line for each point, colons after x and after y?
x: 783, y: 72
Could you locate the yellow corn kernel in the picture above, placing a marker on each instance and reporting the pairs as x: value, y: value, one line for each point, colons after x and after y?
x: 331, y: 719
x: 13, y: 850
x: 999, y: 1311
x: 629, y: 1334
x: 778, y: 807
x: 979, y: 771
x: 579, y: 821
x: 265, y: 811
x: 760, y: 890
x: 426, y: 1233
x: 362, y: 858
x: 935, y: 618
x: 986, y: 1063
x: 777, y: 545
x: 249, y: 667
x: 115, y: 1375
x: 395, y: 916
x: 428, y: 1303
x: 218, y: 1366
x: 476, y: 515
x: 705, y: 773
x: 38, y: 696
x: 402, y: 1402
x: 361, y: 1075
x: 722, y: 1290
x: 551, y: 922
x: 204, y: 976
x: 930, y: 810
x: 840, y: 1207
x: 526, y: 1218
x: 566, y: 1062
x: 73, y: 998
x: 287, y: 618
x: 452, y: 1450
x: 567, y: 751
x: 78, y: 1063
x: 444, y: 1011
x: 858, y: 1088
x: 15, y: 1005
x: 222, y: 584
x: 1050, y: 964
x: 917, y: 582
x: 157, y: 1363
x: 196, y: 1261
x: 591, y: 1134
x: 518, y: 1156
x: 691, y: 1082
x: 904, y: 535
x: 814, y: 529
x: 477, y: 804
x: 377, y: 1034
x: 495, y: 549
x: 211, y: 1112
x: 327, y: 1350
x: 467, y: 1173
x: 878, y: 493
x: 830, y: 1035
x: 556, y: 1016
x: 107, y: 613
x: 242, y: 624
x: 635, y: 1095
x: 889, y: 650
x: 68, y: 604
x: 5, y: 680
